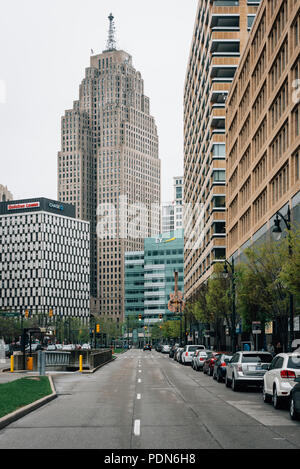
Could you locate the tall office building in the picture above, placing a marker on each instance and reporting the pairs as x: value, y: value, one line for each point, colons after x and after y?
x: 108, y: 166
x: 263, y: 128
x: 44, y: 259
x: 5, y: 194
x: 172, y: 212
x: 150, y: 277
x: 220, y: 35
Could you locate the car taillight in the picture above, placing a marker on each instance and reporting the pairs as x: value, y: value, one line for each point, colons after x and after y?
x: 287, y: 374
x: 239, y: 368
x: 202, y: 359
x: 186, y: 354
x: 223, y: 364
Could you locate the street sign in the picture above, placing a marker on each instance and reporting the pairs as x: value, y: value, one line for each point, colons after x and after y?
x: 10, y: 315
x: 256, y: 327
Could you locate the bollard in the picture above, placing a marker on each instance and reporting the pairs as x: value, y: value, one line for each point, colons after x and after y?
x: 30, y: 363
x: 80, y: 363
x: 12, y: 364
x: 41, y: 363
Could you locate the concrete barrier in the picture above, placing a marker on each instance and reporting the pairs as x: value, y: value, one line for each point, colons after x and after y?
x: 91, y: 359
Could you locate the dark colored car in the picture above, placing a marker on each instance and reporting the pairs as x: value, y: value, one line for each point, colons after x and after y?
x: 158, y: 347
x: 295, y: 401
x: 172, y: 351
x: 147, y: 347
x: 220, y: 366
x: 208, y: 367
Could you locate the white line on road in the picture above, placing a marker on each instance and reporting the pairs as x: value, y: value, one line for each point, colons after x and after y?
x: 139, y: 380
x: 139, y: 396
x: 137, y: 427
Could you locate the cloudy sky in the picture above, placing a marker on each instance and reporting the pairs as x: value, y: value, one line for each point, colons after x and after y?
x: 45, y: 48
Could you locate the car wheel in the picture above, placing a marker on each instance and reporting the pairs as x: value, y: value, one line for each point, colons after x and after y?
x: 234, y: 385
x: 276, y: 399
x: 293, y: 414
x: 219, y: 377
x: 227, y: 382
x: 266, y: 397
x: 211, y: 372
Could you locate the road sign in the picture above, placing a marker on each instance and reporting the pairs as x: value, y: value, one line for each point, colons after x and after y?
x: 256, y: 327
x: 10, y: 315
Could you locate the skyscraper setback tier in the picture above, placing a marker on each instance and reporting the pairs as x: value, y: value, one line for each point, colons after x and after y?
x: 110, y: 155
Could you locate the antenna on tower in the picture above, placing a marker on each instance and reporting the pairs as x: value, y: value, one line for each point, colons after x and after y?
x: 111, y: 43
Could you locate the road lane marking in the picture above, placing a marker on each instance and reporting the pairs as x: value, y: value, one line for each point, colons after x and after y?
x: 139, y: 396
x: 137, y: 427
x: 139, y: 380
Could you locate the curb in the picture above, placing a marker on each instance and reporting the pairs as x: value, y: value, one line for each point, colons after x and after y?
x: 16, y: 415
x: 97, y: 368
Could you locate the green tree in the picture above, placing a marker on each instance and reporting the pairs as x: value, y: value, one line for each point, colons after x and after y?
x: 219, y: 302
x: 290, y: 273
x: 261, y: 294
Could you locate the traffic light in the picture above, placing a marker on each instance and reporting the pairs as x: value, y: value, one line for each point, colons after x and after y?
x: 140, y: 317
x: 160, y: 316
x: 146, y: 328
x: 98, y: 328
x: 51, y: 313
x: 26, y: 314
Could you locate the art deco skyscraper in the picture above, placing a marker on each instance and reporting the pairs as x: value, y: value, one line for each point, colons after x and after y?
x: 109, y: 161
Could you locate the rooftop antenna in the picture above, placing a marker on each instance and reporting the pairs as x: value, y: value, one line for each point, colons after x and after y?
x: 111, y: 43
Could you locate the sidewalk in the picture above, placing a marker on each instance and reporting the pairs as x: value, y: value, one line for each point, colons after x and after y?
x: 7, y: 376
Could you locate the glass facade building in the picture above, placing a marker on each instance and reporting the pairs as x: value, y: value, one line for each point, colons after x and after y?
x: 149, y: 276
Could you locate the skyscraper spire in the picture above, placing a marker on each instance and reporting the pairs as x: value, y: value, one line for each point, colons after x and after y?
x: 111, y: 43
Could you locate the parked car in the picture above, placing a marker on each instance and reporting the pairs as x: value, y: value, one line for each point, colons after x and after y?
x: 247, y: 368
x: 295, y: 401
x: 178, y: 354
x: 172, y: 350
x: 166, y: 349
x: 280, y: 377
x: 220, y: 366
x: 147, y: 347
x: 198, y: 360
x: 51, y: 348
x: 68, y: 347
x: 208, y: 366
x: 194, y: 358
x: 158, y: 347
x: 188, y: 352
x: 34, y: 348
x: 86, y: 347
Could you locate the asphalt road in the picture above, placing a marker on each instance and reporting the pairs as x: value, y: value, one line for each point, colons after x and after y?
x: 144, y: 400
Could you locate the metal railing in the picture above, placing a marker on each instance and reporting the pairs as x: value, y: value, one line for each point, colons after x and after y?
x: 57, y: 358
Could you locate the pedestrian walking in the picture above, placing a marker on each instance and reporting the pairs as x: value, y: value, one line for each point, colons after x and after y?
x: 278, y: 348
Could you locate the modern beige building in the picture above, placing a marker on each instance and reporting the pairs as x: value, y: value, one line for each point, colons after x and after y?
x: 220, y: 35
x: 109, y: 167
x: 263, y: 127
x: 5, y: 195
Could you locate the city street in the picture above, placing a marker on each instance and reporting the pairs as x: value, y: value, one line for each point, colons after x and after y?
x: 145, y: 400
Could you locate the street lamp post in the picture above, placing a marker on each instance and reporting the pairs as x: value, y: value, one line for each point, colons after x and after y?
x: 277, y: 232
x: 233, y: 313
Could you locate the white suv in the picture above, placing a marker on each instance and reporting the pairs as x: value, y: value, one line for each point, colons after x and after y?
x: 188, y: 352
x: 279, y: 380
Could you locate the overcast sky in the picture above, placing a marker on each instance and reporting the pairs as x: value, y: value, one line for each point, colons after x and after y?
x: 45, y: 48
